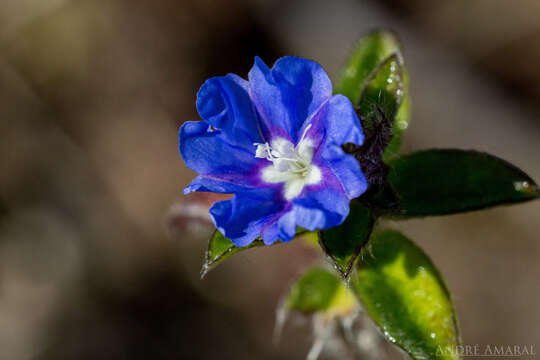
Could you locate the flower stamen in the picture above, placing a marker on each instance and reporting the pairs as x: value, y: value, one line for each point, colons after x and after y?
x: 291, y: 164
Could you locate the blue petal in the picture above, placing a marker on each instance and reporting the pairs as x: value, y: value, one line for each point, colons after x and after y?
x: 224, y: 103
x: 271, y: 234
x: 243, y: 217
x: 207, y: 153
x: 267, y: 99
x: 288, y: 94
x: 339, y: 124
x: 282, y: 228
x: 321, y: 209
x: 304, y: 86
x: 347, y: 170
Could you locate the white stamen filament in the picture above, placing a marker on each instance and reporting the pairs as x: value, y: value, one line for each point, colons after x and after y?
x: 305, y: 132
x: 273, y: 154
x: 290, y: 165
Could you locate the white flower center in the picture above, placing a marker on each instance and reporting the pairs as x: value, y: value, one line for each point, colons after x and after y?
x: 290, y: 165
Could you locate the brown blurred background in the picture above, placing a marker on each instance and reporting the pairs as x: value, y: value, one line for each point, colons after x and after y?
x: 92, y: 93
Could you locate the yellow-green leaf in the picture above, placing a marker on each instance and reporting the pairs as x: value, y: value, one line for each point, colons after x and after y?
x: 319, y: 290
x: 405, y: 295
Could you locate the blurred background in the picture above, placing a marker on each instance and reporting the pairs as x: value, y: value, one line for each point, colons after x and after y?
x: 94, y: 262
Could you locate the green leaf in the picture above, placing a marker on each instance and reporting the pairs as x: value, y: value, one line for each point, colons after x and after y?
x: 438, y: 182
x: 319, y: 290
x: 404, y: 294
x: 221, y: 248
x: 310, y: 239
x: 344, y: 243
x: 370, y: 51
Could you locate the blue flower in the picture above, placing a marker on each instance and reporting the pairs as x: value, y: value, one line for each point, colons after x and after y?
x: 275, y: 143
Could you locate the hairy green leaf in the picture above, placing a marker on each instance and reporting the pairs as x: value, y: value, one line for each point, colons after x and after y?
x: 404, y: 294
x: 376, y: 81
x: 438, y: 182
x: 370, y: 51
x: 383, y: 90
x: 221, y: 248
x: 344, y: 243
x: 401, y: 121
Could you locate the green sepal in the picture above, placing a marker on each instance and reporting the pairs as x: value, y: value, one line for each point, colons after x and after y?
x: 407, y: 298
